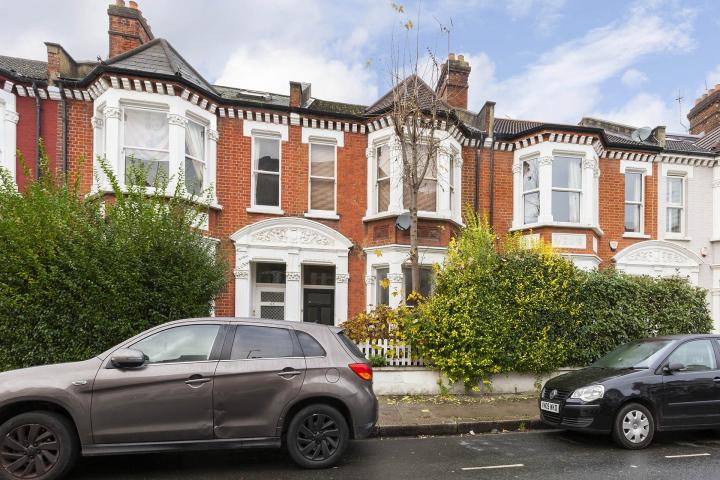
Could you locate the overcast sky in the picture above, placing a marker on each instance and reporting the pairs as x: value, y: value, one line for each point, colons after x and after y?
x: 552, y: 60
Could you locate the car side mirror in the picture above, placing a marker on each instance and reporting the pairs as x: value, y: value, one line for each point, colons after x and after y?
x: 127, y: 358
x: 673, y: 367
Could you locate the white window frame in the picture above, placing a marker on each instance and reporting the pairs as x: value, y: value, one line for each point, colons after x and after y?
x: 531, y: 191
x: 435, y: 178
x: 579, y: 191
x: 268, y: 208
x: 204, y: 125
x: 377, y: 146
x: 124, y: 106
x: 641, y: 203
x: 682, y: 206
x: 311, y: 211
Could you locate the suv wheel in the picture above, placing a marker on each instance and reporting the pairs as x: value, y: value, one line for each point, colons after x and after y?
x: 317, y: 436
x: 634, y: 427
x: 37, y: 446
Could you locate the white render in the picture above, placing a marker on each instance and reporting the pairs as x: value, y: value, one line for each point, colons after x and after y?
x: 293, y: 241
x: 8, y: 132
x: 394, y: 257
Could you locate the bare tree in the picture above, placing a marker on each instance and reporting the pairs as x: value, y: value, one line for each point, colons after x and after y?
x: 419, y: 120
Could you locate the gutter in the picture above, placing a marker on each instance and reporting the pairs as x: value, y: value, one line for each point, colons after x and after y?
x: 37, y: 130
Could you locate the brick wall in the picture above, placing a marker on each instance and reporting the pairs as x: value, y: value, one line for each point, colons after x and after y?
x: 27, y: 138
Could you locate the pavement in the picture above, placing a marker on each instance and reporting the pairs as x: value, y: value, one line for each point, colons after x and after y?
x: 455, y: 414
x: 529, y: 455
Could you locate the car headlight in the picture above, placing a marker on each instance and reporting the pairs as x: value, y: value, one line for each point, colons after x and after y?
x: 588, y: 394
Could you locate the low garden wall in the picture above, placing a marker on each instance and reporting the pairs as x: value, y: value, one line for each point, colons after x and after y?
x: 427, y: 381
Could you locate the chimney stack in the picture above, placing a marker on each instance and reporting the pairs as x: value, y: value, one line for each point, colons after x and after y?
x: 128, y: 28
x: 705, y: 115
x: 659, y: 134
x: 452, y: 85
x: 299, y: 94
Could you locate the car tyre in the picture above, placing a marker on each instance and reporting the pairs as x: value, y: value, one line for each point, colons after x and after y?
x: 634, y: 427
x: 317, y: 436
x: 37, y: 445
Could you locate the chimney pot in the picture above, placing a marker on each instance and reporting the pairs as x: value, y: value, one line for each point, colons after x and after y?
x: 461, y: 58
x: 133, y: 5
x: 120, y: 3
x: 451, y: 56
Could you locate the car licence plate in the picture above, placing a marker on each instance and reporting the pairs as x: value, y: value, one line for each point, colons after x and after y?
x: 550, y: 407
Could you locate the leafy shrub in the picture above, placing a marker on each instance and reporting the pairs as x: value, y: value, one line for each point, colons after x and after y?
x: 377, y: 361
x: 78, y: 275
x: 618, y: 308
x: 381, y: 323
x: 503, y: 306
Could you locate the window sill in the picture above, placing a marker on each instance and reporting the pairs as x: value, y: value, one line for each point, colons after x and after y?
x: 421, y: 215
x: 677, y: 237
x: 322, y: 215
x: 579, y: 226
x: 212, y: 203
x: 635, y: 235
x: 265, y: 210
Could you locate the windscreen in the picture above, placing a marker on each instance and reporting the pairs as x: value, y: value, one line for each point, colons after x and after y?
x: 640, y: 354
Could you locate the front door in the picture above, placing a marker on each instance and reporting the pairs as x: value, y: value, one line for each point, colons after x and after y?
x: 167, y: 399
x: 255, y: 381
x: 691, y: 397
x: 319, y: 306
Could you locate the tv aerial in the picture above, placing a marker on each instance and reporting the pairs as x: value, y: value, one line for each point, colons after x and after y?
x: 641, y: 134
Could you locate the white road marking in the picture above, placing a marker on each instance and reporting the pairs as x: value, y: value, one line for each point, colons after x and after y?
x: 688, y: 455
x: 489, y: 467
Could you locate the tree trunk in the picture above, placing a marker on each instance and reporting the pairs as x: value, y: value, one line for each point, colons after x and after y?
x: 414, y: 257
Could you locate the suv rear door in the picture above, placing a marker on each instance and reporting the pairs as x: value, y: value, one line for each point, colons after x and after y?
x: 261, y: 370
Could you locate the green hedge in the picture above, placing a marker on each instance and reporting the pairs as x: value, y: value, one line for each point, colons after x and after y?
x: 78, y: 276
x: 503, y: 306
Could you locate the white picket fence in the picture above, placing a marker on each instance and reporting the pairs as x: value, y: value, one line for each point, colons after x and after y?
x: 397, y: 354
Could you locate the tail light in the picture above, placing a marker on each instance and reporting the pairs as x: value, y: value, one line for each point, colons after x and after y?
x: 362, y: 370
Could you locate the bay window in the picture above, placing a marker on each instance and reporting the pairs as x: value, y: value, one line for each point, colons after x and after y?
x: 146, y: 144
x: 382, y: 178
x: 531, y: 190
x: 266, y: 171
x: 675, y: 204
x: 322, y: 177
x: 194, y: 157
x: 566, y: 189
x: 427, y: 193
x: 633, y: 202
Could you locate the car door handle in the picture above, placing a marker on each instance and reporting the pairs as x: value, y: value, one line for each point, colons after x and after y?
x: 288, y: 373
x: 196, y: 381
x: 716, y: 379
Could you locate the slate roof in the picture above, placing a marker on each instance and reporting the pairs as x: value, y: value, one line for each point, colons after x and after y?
x: 426, y: 96
x: 711, y: 140
x: 22, y: 67
x: 686, y: 144
x: 159, y: 57
x: 507, y: 126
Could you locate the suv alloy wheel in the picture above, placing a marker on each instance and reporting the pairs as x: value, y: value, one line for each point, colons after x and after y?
x: 317, y: 436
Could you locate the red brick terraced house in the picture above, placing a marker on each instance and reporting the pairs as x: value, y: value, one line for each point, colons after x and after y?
x: 306, y: 192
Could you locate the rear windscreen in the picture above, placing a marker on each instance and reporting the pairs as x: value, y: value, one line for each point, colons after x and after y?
x: 350, y: 345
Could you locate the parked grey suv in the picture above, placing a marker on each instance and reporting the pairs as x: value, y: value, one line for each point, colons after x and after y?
x: 209, y: 383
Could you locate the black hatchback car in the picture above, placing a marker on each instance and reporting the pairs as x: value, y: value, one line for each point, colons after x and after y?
x: 662, y: 383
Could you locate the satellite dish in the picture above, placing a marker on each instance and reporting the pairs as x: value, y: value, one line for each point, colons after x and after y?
x: 403, y: 222
x: 641, y: 134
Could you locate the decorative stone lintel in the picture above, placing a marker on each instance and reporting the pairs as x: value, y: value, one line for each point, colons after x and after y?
x: 342, y: 278
x: 97, y: 122
x: 396, y: 278
x: 111, y: 112
x: 370, y: 279
x: 292, y: 276
x: 589, y: 163
x: 175, y: 119
x: 542, y: 161
x: 244, y: 274
x: 11, y: 116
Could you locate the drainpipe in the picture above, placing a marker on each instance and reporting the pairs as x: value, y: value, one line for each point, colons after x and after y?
x: 37, y: 130
x: 492, y: 182
x: 478, y: 159
x: 63, y: 106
